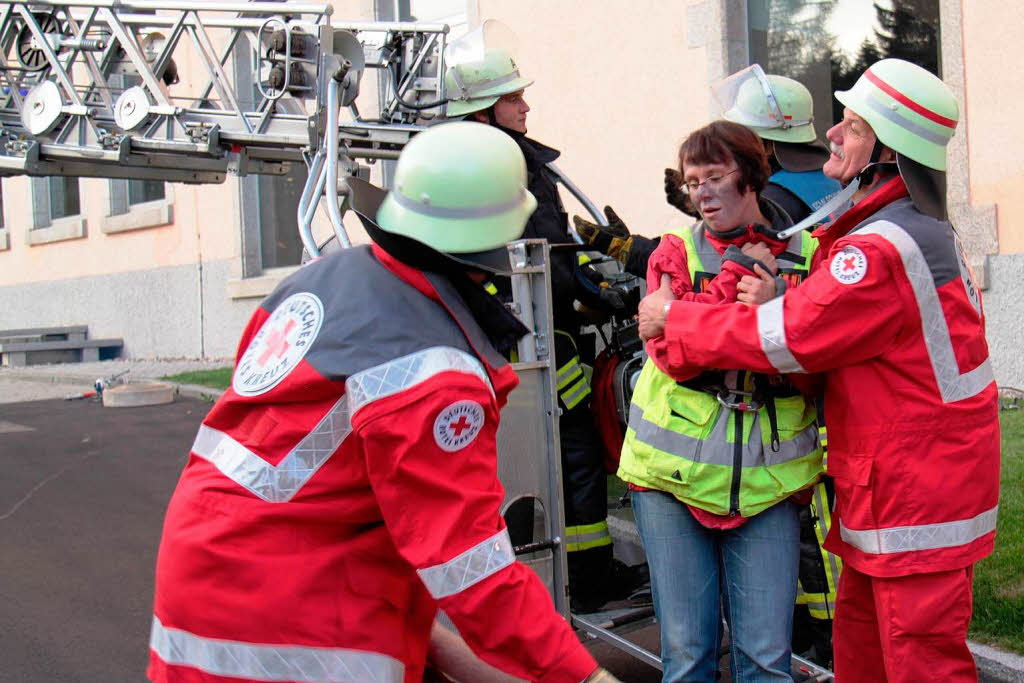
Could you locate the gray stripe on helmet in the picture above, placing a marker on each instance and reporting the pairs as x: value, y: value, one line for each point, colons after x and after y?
x: 901, y: 539
x: 476, y: 88
x: 457, y: 212
x: 886, y: 112
x: 276, y: 662
x: 953, y: 386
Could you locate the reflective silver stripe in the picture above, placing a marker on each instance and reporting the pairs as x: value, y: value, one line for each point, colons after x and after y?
x: 470, y: 567
x: 400, y: 374
x: 476, y: 88
x: 272, y: 662
x: 280, y: 483
x: 899, y: 539
x: 771, y: 326
x: 886, y: 112
x: 276, y: 484
x: 458, y: 212
x: 953, y: 386
x: 716, y: 449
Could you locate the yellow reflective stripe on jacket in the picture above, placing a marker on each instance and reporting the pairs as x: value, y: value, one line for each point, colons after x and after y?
x: 568, y: 372
x: 584, y: 536
x: 571, y: 378
x: 822, y: 605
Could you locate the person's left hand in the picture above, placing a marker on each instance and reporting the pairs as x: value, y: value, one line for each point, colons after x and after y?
x: 753, y: 290
x: 652, y: 310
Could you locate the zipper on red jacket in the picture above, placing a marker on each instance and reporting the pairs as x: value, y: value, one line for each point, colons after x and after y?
x: 737, y: 454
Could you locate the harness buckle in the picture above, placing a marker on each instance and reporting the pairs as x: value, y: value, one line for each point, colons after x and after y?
x: 738, y: 400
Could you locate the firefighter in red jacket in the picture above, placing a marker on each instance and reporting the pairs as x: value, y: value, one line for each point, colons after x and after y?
x: 345, y: 487
x: 894, y: 320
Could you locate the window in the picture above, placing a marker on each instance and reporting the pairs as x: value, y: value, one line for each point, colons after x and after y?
x: 280, y: 244
x: 126, y: 194
x: 827, y: 44
x: 56, y: 210
x: 64, y: 197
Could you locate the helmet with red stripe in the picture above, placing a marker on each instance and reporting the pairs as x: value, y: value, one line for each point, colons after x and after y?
x: 914, y: 113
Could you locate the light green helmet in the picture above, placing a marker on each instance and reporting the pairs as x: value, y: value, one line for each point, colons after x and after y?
x: 459, y: 188
x: 774, y: 107
x: 475, y: 86
x: 910, y: 110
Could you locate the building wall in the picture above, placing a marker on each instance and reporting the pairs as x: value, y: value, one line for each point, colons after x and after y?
x: 994, y: 88
x: 616, y: 101
x: 995, y: 142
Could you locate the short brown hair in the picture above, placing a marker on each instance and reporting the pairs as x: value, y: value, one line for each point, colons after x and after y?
x: 720, y: 142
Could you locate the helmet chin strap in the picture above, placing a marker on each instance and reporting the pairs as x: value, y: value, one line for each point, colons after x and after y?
x: 838, y: 200
x: 862, y: 179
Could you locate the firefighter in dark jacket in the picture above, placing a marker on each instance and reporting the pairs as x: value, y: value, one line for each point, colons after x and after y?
x: 490, y: 90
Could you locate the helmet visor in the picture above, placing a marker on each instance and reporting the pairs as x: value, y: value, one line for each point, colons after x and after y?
x: 474, y: 45
x: 747, y: 98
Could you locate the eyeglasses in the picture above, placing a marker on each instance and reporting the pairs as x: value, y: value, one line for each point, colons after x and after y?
x: 712, y: 182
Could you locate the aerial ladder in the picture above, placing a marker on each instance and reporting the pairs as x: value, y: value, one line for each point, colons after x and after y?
x: 193, y: 90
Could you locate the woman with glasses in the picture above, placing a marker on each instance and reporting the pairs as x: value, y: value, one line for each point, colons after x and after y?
x: 712, y: 455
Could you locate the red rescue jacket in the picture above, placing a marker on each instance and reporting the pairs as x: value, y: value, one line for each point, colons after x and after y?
x: 344, y: 489
x: 894, y: 320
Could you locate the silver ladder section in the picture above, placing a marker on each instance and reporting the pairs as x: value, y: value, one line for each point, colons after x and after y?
x: 529, y: 465
x: 97, y: 88
x: 189, y: 91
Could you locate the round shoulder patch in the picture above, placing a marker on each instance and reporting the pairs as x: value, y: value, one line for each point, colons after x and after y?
x: 280, y: 344
x: 849, y: 266
x: 457, y: 425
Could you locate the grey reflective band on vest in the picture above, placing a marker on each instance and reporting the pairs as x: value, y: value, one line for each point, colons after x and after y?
x: 280, y: 483
x: 884, y: 110
x: 260, y: 662
x: 900, y: 539
x: 276, y: 484
x: 716, y: 449
x: 474, y: 565
x: 771, y: 328
x: 953, y: 386
x: 457, y: 212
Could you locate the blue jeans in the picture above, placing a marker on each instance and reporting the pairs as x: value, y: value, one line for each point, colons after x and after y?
x: 754, y: 570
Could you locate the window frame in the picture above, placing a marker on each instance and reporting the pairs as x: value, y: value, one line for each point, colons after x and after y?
x: 46, y: 229
x: 151, y: 214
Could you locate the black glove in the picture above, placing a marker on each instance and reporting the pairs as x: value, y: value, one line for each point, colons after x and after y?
x: 676, y: 196
x: 612, y: 239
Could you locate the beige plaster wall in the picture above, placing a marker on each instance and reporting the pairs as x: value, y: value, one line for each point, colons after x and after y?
x: 99, y: 254
x: 612, y: 90
x: 994, y: 84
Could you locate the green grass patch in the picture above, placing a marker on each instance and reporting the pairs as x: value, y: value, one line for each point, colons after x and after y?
x: 999, y: 578
x: 217, y: 378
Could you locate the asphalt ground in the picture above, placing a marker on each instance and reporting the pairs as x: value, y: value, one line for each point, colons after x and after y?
x: 82, y: 500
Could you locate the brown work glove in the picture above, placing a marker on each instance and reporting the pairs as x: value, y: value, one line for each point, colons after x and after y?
x: 612, y: 239
x: 601, y: 675
x: 676, y: 195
